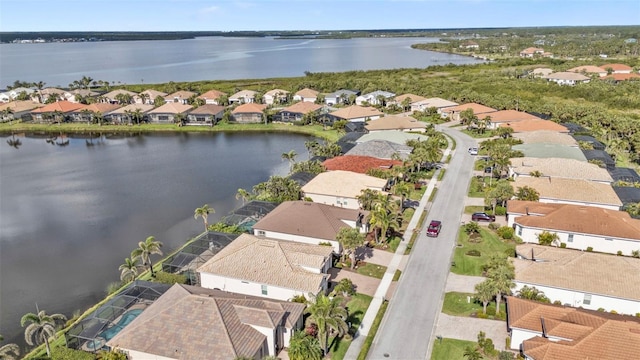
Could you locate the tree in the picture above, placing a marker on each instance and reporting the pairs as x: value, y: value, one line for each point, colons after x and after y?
x: 311, y: 166
x: 304, y: 347
x: 368, y: 197
x: 502, y: 192
x: 159, y: 101
x: 114, y: 354
x: 291, y: 157
x: 328, y: 315
x: 472, y: 353
x: 129, y: 269
x: 384, y: 217
x: 144, y: 251
x: 504, y: 131
x: 243, y: 194
x: 203, y: 212
x: 9, y: 351
x: 471, y: 228
x: 501, y: 273
x: 277, y: 189
x: 531, y: 293
x: 527, y: 193
x: 548, y: 238
x: 41, y: 327
x: 350, y: 239
x: 468, y: 117
x: 485, y: 293
x: 310, y: 145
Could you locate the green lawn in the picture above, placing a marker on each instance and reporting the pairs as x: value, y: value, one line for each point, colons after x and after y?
x: 476, y: 188
x: 373, y: 270
x: 456, y: 304
x: 473, y: 208
x: 488, y: 245
x: 473, y: 134
x: 358, y: 305
x: 450, y: 349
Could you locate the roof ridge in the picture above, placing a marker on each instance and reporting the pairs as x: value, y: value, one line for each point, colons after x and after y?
x: 223, y: 319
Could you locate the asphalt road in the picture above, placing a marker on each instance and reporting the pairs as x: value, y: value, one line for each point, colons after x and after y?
x: 406, y: 331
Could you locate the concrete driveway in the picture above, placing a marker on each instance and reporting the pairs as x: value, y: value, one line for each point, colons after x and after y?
x: 467, y: 328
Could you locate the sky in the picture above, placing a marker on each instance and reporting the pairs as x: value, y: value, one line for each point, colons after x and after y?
x: 235, y: 15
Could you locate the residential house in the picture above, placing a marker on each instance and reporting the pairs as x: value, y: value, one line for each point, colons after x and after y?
x: 243, y: 97
x: 149, y: 96
x: 571, y: 191
x: 48, y: 93
x: 567, y: 78
x: 359, y: 164
x: 469, y: 45
x: 4, y: 97
x: 297, y: 111
x: 531, y: 52
x: 560, y: 274
x: 169, y: 113
x: 545, y: 332
x: 540, y: 72
x: 453, y: 112
x: 437, y: 103
x: 623, y: 174
x: 405, y: 100
x: 377, y: 97
x: 15, y: 93
x: 600, y: 156
x: 517, y: 208
x: 348, y: 140
x: 395, y: 122
x: 542, y: 150
x: 341, y: 188
x: 597, y: 145
x: 534, y: 125
x: 546, y: 137
x: 310, y: 222
x: 558, y: 168
x: 207, y: 114
x: 589, y: 70
x: 357, y: 113
x: 617, y: 68
x: 381, y: 149
x: 398, y: 137
x: 271, y: 268
x: 340, y: 97
x: 190, y: 322
x: 506, y: 117
x: 249, y: 113
x: 306, y: 95
x: 180, y: 97
x: 115, y: 96
x: 78, y: 95
x: 212, y: 97
x: 87, y: 113
x: 616, y: 78
x: 126, y: 114
x: 18, y: 110
x: 56, y: 112
x: 276, y: 96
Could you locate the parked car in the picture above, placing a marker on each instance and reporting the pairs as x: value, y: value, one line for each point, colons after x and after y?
x: 473, y: 151
x: 434, y: 228
x: 482, y: 216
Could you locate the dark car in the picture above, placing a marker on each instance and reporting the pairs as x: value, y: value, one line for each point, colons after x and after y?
x: 434, y: 228
x: 481, y: 216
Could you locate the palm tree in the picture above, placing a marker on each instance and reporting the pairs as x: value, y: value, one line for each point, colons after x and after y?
x: 350, y: 239
x: 291, y: 157
x: 9, y: 351
x: 129, y: 270
x: 501, y: 278
x: 144, y: 251
x: 41, y: 327
x: 303, y: 347
x: 328, y: 315
x: 384, y: 217
x: 484, y: 293
x: 472, y: 353
x: 243, y: 194
x: 204, y: 212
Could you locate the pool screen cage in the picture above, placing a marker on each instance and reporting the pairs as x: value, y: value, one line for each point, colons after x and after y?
x: 248, y: 214
x: 86, y: 334
x: 195, y: 254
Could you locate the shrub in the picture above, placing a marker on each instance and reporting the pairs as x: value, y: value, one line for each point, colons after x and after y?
x: 635, y: 253
x: 505, y: 355
x: 500, y: 211
x: 345, y: 287
x: 563, y: 245
x: 325, y: 243
x: 601, y: 309
x: 619, y: 252
x: 482, y: 315
x: 472, y: 228
x: 510, y: 252
x: 299, y: 299
x: 547, y: 238
x: 506, y: 232
x: 493, y: 226
x: 507, y: 342
x: 491, y: 311
x: 613, y: 312
x: 589, y: 249
x: 557, y: 302
x: 488, y: 346
x: 517, y: 239
x: 473, y: 252
x: 169, y: 278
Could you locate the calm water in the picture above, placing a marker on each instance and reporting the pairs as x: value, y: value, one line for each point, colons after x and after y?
x: 209, y: 58
x: 71, y: 214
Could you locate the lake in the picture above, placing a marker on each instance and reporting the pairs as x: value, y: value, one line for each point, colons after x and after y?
x: 71, y: 214
x: 209, y: 58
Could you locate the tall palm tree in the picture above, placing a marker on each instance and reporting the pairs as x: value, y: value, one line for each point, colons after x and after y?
x: 485, y: 293
x: 144, y: 251
x: 243, y: 194
x: 41, y: 327
x: 350, y: 239
x: 11, y: 351
x: 501, y: 278
x: 129, y: 270
x: 327, y: 314
x: 204, y: 212
x: 291, y: 157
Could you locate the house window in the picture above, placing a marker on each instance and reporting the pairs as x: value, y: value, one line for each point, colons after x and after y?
x: 163, y: 118
x: 587, y: 299
x: 261, y: 233
x: 570, y: 239
x: 519, y: 230
x: 264, y: 290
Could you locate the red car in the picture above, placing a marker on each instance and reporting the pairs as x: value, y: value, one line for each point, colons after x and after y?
x: 434, y: 228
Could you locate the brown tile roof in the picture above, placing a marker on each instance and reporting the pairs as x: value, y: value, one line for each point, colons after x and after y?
x: 208, y: 109
x: 212, y: 94
x: 342, y: 183
x: 153, y: 93
x: 588, y: 69
x: 356, y: 111
x: 589, y: 220
x: 510, y: 115
x: 435, y: 102
x: 395, y: 122
x: 244, y: 94
x: 277, y: 92
x: 560, y: 168
x: 302, y: 107
x: 62, y: 106
x: 531, y: 207
x: 622, y: 77
x: 590, y: 334
x: 49, y: 91
x: 271, y: 262
x: 413, y: 97
x: 570, y: 190
x: 545, y: 137
x: 133, y: 107
x: 616, y: 67
x: 567, y: 75
x: 306, y: 93
x: 308, y: 219
x: 617, y: 276
x: 536, y: 125
x: 189, y: 322
x: 112, y: 94
x: 101, y: 108
x: 359, y: 164
x: 532, y: 50
x: 252, y: 108
x: 182, y: 94
x: 171, y: 108
x: 18, y: 106
x: 478, y: 109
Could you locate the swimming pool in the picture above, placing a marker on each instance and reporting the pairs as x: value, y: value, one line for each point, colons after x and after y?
x: 108, y: 334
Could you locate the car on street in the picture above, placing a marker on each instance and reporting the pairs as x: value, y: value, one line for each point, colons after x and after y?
x: 482, y: 216
x: 434, y: 228
x: 473, y: 151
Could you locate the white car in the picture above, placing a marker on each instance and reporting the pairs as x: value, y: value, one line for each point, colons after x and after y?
x: 473, y: 151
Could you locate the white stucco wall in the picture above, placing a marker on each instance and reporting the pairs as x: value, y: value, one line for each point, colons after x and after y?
x: 581, y: 203
x: 345, y: 202
x: 520, y: 335
x: 138, y: 355
x: 213, y: 281
x: 270, y: 334
x: 337, y: 248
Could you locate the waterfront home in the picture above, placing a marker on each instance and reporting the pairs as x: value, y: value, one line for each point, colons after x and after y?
x: 340, y: 97
x: 377, y: 97
x: 207, y: 114
x: 271, y: 268
x: 341, y: 188
x: 545, y: 331
x: 89, y: 113
x: 558, y: 168
x: 14, y: 93
x: 546, y: 137
x: 532, y: 51
x: 571, y: 191
x: 169, y: 113
x: 149, y: 96
x: 545, y: 150
x: 249, y: 113
x: 4, y: 97
x: 297, y: 112
x: 394, y: 136
x: 617, y: 68
x: 243, y: 97
x: 306, y: 95
x: 190, y: 322
x: 18, y: 110
x: 356, y: 113
x: 212, y: 97
x: 78, y: 95
x: 437, y: 103
x: 405, y: 100
x: 275, y: 96
x: 395, y: 122
x: 359, y: 164
x: 119, y: 96
x: 560, y: 274
x: 381, y: 149
x: 507, y: 117
x: 589, y: 70
x: 310, y: 223
x: 453, y: 112
x: 56, y: 112
x: 130, y: 114
x: 567, y: 78
x: 180, y: 97
x: 48, y: 93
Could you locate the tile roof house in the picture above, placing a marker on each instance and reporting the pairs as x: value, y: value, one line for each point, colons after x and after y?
x: 582, y: 227
x: 571, y: 191
x: 124, y: 115
x: 75, y: 96
x: 310, y: 223
x: 381, y: 149
x: 517, y: 208
x: 275, y: 96
x: 588, y: 69
x: 189, y: 322
x: 148, y: 96
x: 212, y: 97
x: 530, y: 125
x: 357, y: 113
x: 600, y: 155
x: 531, y: 52
x: 297, y: 111
x: 507, y: 117
x: 436, y: 102
x: 542, y: 150
x: 567, y: 78
x: 341, y: 188
x: 538, y: 72
x: 567, y: 276
x: 558, y: 168
x: 54, y: 112
x: 207, y: 114
x: 400, y: 99
x: 86, y: 112
x: 249, y: 113
x: 271, y: 268
x: 616, y: 78
x: 112, y: 96
x: 546, y: 137
x: 166, y: 114
x: 377, y: 97
x: 243, y: 97
x: 14, y: 93
x: 20, y: 109
x: 394, y: 136
x: 553, y: 332
x: 359, y: 164
x: 306, y: 95
x: 453, y: 112
x: 45, y: 93
x: 395, y: 122
x: 617, y: 68
x: 180, y: 97
x: 340, y: 96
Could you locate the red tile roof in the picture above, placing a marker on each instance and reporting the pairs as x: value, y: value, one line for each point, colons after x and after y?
x: 62, y: 106
x: 303, y: 107
x: 359, y: 164
x: 249, y: 108
x: 535, y: 125
x: 622, y: 77
x: 616, y: 67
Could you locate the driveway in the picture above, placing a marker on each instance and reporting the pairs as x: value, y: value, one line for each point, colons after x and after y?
x: 467, y: 328
x: 364, y: 284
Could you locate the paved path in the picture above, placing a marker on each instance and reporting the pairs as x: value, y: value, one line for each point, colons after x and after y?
x: 364, y: 284
x: 467, y: 328
x: 462, y: 283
